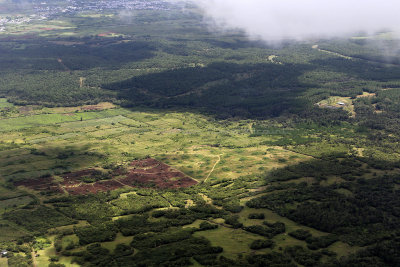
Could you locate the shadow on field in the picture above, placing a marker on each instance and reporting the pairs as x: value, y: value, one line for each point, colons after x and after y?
x: 224, y: 89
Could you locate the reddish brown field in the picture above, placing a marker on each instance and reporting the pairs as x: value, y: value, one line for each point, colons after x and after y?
x: 144, y: 173
x: 91, y: 108
x: 151, y: 172
x: 73, y: 178
x: 45, y: 184
x: 84, y: 189
x: 105, y: 34
x: 73, y: 184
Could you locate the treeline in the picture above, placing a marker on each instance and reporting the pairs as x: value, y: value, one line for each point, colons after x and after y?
x: 380, y: 50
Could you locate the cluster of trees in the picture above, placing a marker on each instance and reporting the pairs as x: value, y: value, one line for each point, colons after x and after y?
x: 32, y: 218
x: 96, y: 233
x: 367, y: 214
x: 268, y: 230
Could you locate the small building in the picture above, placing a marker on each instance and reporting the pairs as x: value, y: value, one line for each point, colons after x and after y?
x: 341, y: 103
x: 3, y: 253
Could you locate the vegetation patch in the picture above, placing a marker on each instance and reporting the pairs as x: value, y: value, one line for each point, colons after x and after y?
x: 33, y: 221
x: 153, y: 173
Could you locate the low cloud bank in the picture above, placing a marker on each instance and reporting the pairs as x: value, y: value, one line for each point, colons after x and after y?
x: 276, y: 20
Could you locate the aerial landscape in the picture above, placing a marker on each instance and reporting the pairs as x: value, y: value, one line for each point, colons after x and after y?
x: 199, y: 133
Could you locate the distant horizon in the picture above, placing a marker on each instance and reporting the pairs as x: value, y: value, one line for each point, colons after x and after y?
x: 274, y: 21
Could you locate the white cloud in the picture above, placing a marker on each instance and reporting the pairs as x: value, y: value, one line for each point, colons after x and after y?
x: 300, y: 19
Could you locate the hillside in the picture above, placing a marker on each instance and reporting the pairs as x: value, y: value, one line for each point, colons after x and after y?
x: 145, y: 139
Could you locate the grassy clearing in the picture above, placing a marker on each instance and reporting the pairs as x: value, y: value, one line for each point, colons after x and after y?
x: 4, y: 103
x: 45, y: 254
x: 272, y: 217
x: 195, y: 224
x: 64, y: 110
x: 66, y: 240
x: 284, y: 240
x: 198, y: 161
x: 343, y: 249
x: 120, y: 239
x: 4, y: 262
x: 234, y: 241
x: 338, y: 102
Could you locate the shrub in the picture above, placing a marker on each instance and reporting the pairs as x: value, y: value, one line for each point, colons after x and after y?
x: 258, y: 216
x: 207, y: 226
x: 260, y: 244
x: 301, y: 234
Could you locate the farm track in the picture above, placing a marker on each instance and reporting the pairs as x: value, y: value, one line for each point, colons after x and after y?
x: 308, y: 155
x: 170, y: 204
x: 59, y: 60
x: 123, y: 184
x: 213, y: 168
x: 353, y: 57
x: 200, y: 89
x: 34, y: 264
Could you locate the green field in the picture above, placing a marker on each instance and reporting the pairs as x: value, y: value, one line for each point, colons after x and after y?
x: 4, y: 103
x: 230, y: 172
x: 234, y: 242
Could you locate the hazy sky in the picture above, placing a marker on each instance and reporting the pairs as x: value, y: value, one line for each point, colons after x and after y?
x: 300, y: 19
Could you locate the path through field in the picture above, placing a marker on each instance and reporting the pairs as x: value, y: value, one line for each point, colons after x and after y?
x: 354, y: 57
x: 62, y: 64
x: 331, y: 52
x: 34, y: 264
x: 218, y: 160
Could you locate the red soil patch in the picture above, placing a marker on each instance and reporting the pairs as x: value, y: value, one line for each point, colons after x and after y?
x: 145, y: 173
x: 94, y: 107
x: 151, y: 172
x: 105, y: 34
x: 84, y: 189
x: 25, y: 109
x: 73, y: 178
x: 41, y: 184
x: 74, y: 185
